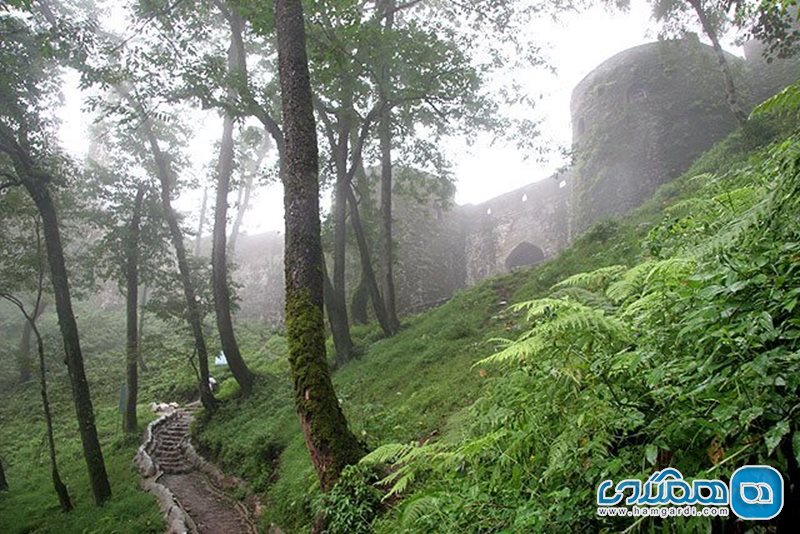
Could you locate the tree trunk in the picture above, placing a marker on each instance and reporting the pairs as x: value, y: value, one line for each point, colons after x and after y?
x: 130, y: 423
x: 368, y: 272
x: 192, y: 308
x: 193, y: 316
x: 338, y: 296
x: 730, y: 87
x: 245, y: 191
x: 359, y: 302
x: 61, y: 489
x: 385, y: 134
x: 219, y: 261
x: 24, y: 355
x: 201, y: 225
x: 140, y: 330
x: 339, y: 328
x: 330, y: 443
x: 93, y: 454
x: 3, y: 481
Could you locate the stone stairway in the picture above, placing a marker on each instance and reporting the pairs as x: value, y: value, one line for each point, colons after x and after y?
x: 167, y: 449
x: 189, y: 489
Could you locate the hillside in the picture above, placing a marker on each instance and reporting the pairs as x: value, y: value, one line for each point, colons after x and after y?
x: 505, y: 444
x: 423, y: 386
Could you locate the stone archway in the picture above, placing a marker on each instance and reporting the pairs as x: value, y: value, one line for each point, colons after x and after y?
x: 523, y: 255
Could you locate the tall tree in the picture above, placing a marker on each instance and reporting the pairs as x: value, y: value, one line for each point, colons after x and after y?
x: 193, y: 315
x: 331, y: 444
x: 35, y: 181
x: 219, y: 259
x: 132, y: 247
x: 251, y: 163
x: 387, y: 10
x: 61, y: 490
x: 23, y: 140
x: 130, y: 422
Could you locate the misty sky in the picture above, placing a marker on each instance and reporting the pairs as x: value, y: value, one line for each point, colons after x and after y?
x: 574, y: 47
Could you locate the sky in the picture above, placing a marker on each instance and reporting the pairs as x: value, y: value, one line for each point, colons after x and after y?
x: 483, y: 170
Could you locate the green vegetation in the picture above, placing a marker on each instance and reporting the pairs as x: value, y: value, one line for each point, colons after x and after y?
x: 623, y: 356
x: 31, y: 504
x: 666, y: 337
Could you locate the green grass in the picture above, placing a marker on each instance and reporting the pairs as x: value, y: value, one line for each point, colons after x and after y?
x: 416, y: 386
x: 31, y: 504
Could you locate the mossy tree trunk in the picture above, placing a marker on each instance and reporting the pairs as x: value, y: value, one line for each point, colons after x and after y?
x: 330, y: 443
x: 130, y: 423
x: 36, y: 183
x: 219, y: 258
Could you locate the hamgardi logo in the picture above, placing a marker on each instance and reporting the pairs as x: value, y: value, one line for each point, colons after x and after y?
x: 754, y: 493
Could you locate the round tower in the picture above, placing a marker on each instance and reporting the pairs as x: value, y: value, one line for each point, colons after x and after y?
x: 640, y: 119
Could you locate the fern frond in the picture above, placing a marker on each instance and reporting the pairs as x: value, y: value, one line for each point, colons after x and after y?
x: 596, y: 280
x: 567, y: 321
x: 671, y: 270
x: 389, y: 453
x: 521, y: 351
x: 402, y: 483
x: 420, y: 507
x: 593, y: 322
x: 547, y: 307
x: 636, y: 280
x: 586, y: 297
x: 787, y: 102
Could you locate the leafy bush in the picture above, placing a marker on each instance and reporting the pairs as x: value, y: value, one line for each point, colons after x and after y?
x: 352, y: 503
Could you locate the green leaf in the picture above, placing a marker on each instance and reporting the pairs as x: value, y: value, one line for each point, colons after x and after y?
x: 773, y: 437
x: 651, y: 454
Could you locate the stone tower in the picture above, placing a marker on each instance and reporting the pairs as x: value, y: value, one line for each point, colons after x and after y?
x: 639, y: 120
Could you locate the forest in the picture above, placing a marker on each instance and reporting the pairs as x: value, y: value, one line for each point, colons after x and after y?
x: 241, y: 290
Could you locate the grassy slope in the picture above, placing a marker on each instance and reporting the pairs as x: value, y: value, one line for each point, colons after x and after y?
x: 31, y: 504
x: 412, y: 387
x: 417, y: 384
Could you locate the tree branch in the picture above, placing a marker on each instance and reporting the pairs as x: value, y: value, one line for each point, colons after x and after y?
x: 399, y: 7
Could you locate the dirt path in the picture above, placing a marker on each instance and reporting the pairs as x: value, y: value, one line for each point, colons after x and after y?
x: 193, y: 489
